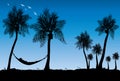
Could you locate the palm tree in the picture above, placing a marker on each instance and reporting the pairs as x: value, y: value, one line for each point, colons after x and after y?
x: 84, y: 41
x: 108, y: 59
x: 16, y: 23
x: 47, y: 25
x: 107, y: 26
x: 116, y: 57
x: 90, y: 57
x: 97, y: 50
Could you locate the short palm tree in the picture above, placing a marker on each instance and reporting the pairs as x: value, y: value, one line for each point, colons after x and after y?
x: 108, y: 59
x: 16, y: 23
x: 90, y: 57
x: 46, y: 27
x: 116, y: 57
x: 84, y: 41
x: 97, y: 50
x: 107, y: 26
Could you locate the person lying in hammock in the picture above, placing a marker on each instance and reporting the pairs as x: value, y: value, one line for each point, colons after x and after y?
x: 23, y: 61
x: 26, y: 62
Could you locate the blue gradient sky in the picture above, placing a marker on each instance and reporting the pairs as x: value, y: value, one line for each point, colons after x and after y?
x: 80, y: 15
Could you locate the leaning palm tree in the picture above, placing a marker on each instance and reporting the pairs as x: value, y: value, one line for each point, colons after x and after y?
x: 16, y: 23
x: 97, y: 50
x: 84, y: 41
x: 116, y: 57
x: 107, y: 26
x: 90, y: 57
x: 46, y: 27
x: 108, y: 59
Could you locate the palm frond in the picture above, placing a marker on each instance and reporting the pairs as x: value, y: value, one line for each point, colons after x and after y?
x: 44, y: 20
x: 112, y: 30
x: 97, y: 49
x: 107, y: 25
x: 40, y: 36
x: 78, y: 44
x: 108, y: 58
x: 90, y: 56
x: 8, y: 27
x: 48, y: 23
x: 84, y: 40
x: 100, y: 28
x: 87, y: 40
x: 59, y: 35
x: 116, y: 56
x: 16, y: 22
x: 60, y: 24
x: 35, y: 27
x: 43, y: 23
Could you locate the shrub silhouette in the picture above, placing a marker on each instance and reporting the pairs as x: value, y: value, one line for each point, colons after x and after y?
x: 107, y: 26
x: 84, y: 41
x: 46, y: 27
x: 15, y: 23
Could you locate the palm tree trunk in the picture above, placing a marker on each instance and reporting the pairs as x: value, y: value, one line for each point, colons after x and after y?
x: 96, y: 61
x: 47, y: 66
x: 85, y: 58
x: 115, y: 65
x: 12, y: 49
x: 103, y: 53
x: 89, y: 65
x: 108, y: 65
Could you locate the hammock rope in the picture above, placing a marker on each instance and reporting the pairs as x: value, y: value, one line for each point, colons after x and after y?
x: 26, y: 62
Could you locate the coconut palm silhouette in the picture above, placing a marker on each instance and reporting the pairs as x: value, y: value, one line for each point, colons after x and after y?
x: 15, y: 23
x: 116, y: 57
x: 97, y: 50
x: 84, y: 41
x: 46, y: 27
x: 90, y: 57
x: 107, y: 26
x: 108, y: 59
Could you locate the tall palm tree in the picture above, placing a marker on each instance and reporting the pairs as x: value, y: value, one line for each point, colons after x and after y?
x: 116, y: 57
x: 16, y: 23
x: 97, y: 50
x: 84, y: 41
x: 46, y: 27
x: 108, y: 59
x: 107, y: 26
x: 90, y: 57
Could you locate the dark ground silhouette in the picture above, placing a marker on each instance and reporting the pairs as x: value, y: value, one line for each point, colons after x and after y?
x: 60, y: 75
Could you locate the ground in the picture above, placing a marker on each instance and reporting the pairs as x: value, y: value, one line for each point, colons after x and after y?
x: 60, y: 75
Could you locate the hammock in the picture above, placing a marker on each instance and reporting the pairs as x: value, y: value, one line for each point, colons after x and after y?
x: 26, y: 62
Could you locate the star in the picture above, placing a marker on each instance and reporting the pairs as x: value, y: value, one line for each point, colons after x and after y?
x: 29, y: 7
x: 8, y: 4
x: 22, y: 5
x: 35, y: 13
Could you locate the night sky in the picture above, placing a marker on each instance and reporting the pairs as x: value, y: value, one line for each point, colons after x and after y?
x: 80, y: 16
